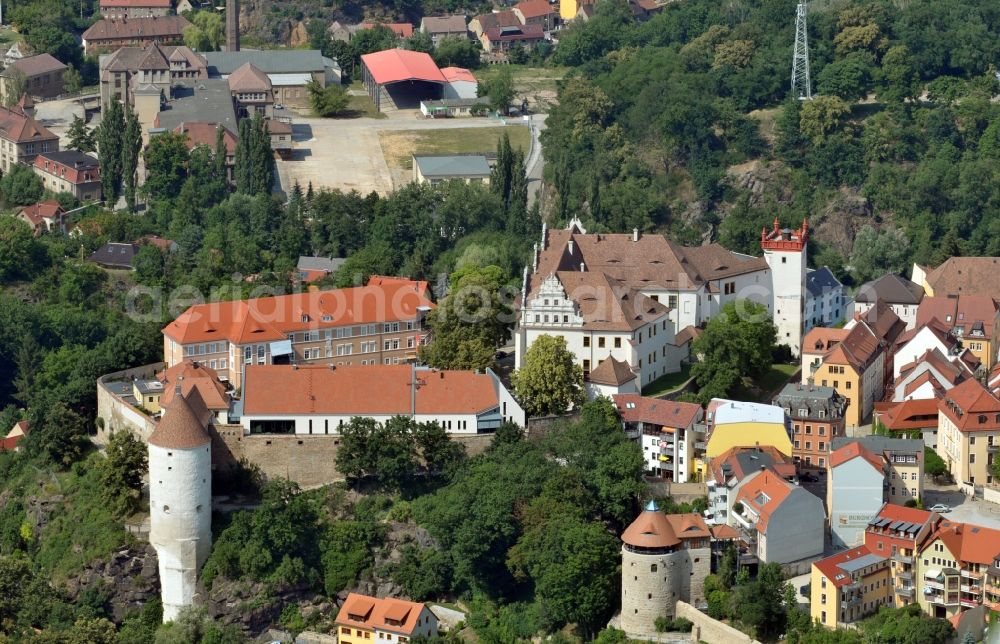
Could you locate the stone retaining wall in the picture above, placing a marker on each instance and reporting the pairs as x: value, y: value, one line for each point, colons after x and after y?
x: 711, y: 630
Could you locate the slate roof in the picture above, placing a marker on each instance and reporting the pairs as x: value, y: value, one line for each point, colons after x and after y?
x: 274, y: 61
x: 199, y: 101
x: 114, y: 255
x: 890, y: 288
x: 821, y: 281
x: 452, y: 165
x: 813, y: 398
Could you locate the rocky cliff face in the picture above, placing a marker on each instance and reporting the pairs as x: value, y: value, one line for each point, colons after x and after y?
x: 128, y: 579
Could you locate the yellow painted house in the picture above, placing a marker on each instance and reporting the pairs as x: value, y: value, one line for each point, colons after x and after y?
x: 569, y: 8
x: 746, y: 424
x: 849, y: 586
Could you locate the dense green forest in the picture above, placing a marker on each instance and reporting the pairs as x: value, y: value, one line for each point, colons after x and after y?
x: 658, y: 120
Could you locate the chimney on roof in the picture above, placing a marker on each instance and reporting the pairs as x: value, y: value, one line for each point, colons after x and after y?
x: 569, y: 246
x: 534, y: 258
x: 583, y: 267
x: 332, y: 366
x: 635, y: 234
x: 295, y: 367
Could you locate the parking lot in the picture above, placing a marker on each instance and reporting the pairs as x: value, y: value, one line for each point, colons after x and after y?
x: 963, y: 508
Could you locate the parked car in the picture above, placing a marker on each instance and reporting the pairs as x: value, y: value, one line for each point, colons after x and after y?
x: 940, y: 508
x: 279, y: 106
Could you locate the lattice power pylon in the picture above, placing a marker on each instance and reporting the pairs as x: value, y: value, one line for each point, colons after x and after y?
x: 801, y: 84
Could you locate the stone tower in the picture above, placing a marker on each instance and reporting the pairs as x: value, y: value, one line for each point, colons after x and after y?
x: 232, y: 25
x: 650, y: 553
x: 785, y: 253
x: 180, y: 498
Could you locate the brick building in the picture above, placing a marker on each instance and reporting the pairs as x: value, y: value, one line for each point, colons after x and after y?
x: 381, y: 323
x: 817, y: 415
x: 108, y: 35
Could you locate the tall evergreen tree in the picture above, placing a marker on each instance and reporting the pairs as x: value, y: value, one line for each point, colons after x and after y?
x: 81, y: 138
x: 219, y: 160
x: 242, y: 162
x: 501, y: 175
x: 109, y: 147
x: 262, y: 159
x: 131, y: 146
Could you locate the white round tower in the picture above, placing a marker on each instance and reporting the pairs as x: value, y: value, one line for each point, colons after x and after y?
x: 180, y: 498
x: 649, y: 571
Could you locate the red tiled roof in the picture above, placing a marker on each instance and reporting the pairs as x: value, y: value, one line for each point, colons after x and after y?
x: 37, y: 213
x: 611, y: 371
x: 966, y: 276
x: 9, y: 444
x: 202, y: 133
x: 724, y: 532
x: 911, y: 414
x: 70, y: 165
x: 969, y: 543
x: 651, y: 529
x: 273, y: 318
x: 971, y: 407
x: 606, y: 304
x: 965, y: 313
x: 348, y: 390
x: 830, y: 567
x: 822, y: 339
x: 536, y: 8
x: 457, y: 74
x: 389, y: 614
x: 665, y: 413
x: 401, y: 29
x: 15, y: 126
x: 155, y: 240
x: 689, y: 525
x: 191, y: 374
x: 394, y: 65
x: 852, y: 451
x: 771, y: 484
x: 248, y: 78
x: 499, y: 19
x: 903, y: 513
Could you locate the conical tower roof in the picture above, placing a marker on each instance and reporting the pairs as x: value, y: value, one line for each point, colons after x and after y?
x: 650, y: 530
x: 182, y: 425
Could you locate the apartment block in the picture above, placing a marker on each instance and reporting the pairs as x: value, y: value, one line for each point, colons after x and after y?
x: 817, y: 416
x: 955, y: 565
x: 730, y: 470
x: 896, y: 532
x: 849, y: 586
x: 671, y: 434
x: 782, y: 522
x: 968, y: 436
x: 380, y: 323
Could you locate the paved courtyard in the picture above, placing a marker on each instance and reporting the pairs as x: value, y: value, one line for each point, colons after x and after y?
x: 963, y: 508
x: 346, y: 153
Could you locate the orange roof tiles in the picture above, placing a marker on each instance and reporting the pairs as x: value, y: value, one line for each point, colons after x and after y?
x: 651, y: 529
x: 971, y: 407
x: 854, y: 450
x: 774, y: 489
x: 267, y: 319
x: 966, y: 276
x: 967, y: 314
x: 349, y: 390
x: 191, y: 374
x: 204, y: 133
x: 969, y: 543
x: 822, y: 339
x: 830, y: 567
x: 389, y: 614
x: 911, y: 414
x: 536, y: 8
x: 689, y: 526
x: 401, y: 29
x: 665, y: 413
x: 457, y: 74
x: 606, y: 304
x: 903, y: 513
x: 724, y: 532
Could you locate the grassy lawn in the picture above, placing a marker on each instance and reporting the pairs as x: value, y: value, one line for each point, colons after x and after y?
x: 667, y: 383
x: 761, y: 389
x: 8, y: 35
x: 398, y: 147
x: 537, y: 84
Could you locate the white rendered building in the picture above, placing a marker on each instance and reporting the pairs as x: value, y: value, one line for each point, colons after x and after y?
x: 180, y: 498
x: 319, y: 399
x: 785, y: 252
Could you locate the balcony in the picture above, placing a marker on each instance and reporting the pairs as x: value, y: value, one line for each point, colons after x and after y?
x: 995, y: 447
x: 992, y: 590
x: 666, y: 448
x: 903, y: 559
x: 699, y: 445
x: 971, y: 574
x: 935, y: 585
x: 994, y: 606
x: 968, y: 603
x: 905, y: 575
x: 852, y: 600
x: 905, y: 591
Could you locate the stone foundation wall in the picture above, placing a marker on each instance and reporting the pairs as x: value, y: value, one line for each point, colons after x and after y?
x: 310, y: 461
x: 711, y: 630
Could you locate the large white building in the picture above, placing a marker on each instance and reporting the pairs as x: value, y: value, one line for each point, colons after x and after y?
x: 180, y: 498
x: 635, y: 297
x: 319, y: 399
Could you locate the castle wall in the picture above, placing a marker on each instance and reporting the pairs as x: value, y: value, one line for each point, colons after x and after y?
x: 180, y: 504
x: 117, y: 414
x: 310, y: 461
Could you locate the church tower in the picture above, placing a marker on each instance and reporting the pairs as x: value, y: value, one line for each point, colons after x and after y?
x: 180, y: 497
x: 785, y: 253
x: 232, y: 25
